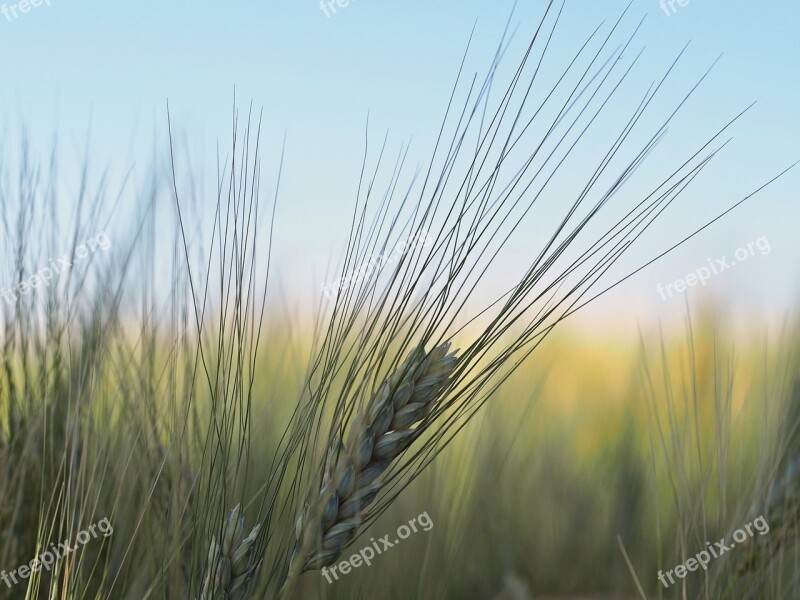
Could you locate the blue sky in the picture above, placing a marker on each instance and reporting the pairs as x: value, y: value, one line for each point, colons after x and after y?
x: 114, y: 65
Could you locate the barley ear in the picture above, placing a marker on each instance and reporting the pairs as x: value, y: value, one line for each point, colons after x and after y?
x: 232, y: 564
x: 389, y: 423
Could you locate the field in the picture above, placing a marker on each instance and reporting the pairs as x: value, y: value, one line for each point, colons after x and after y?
x: 181, y: 419
x: 597, y: 464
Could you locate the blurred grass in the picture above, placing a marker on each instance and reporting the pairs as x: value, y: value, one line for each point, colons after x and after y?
x: 664, y: 445
x: 566, y: 459
x: 105, y: 411
x: 550, y: 477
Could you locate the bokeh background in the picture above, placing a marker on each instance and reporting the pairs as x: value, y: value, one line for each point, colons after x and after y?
x: 645, y: 424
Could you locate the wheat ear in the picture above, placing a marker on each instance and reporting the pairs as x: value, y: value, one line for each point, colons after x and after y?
x: 232, y: 564
x: 380, y: 433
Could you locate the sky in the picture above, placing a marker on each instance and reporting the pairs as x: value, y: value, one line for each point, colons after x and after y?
x: 106, y: 71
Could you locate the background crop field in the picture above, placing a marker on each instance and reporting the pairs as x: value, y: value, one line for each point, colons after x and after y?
x: 509, y: 286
